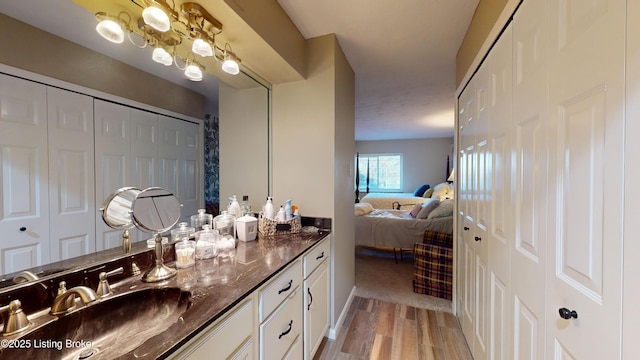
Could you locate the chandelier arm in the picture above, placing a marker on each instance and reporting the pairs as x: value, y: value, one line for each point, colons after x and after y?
x: 134, y: 43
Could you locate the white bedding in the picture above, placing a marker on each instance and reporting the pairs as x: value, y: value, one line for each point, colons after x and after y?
x: 386, y: 200
x: 396, y: 228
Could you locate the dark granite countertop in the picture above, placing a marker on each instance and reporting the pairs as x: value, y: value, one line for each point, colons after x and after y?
x: 215, y: 286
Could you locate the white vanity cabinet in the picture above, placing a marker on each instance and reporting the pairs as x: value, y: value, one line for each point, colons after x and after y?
x: 316, y: 296
x: 279, y: 314
x: 228, y: 338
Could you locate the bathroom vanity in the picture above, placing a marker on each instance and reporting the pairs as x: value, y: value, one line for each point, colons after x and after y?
x: 270, y: 300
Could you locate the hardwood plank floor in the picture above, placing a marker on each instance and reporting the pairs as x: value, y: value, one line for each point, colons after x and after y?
x: 388, y: 321
x: 377, y: 329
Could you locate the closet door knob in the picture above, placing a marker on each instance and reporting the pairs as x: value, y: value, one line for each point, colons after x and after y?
x: 466, y: 228
x: 477, y: 238
x: 23, y: 229
x: 567, y: 314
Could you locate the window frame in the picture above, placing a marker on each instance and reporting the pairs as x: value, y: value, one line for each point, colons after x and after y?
x: 363, y: 170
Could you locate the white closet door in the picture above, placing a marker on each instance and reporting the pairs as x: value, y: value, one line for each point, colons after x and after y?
x: 466, y: 249
x: 531, y: 143
x: 71, y: 174
x: 498, y: 194
x: 586, y: 105
x: 480, y: 205
x: 180, y: 150
x: 145, y: 165
x: 113, y: 155
x: 24, y: 215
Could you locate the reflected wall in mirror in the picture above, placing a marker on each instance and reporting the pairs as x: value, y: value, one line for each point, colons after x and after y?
x: 43, y: 212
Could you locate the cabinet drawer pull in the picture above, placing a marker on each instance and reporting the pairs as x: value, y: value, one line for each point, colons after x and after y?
x: 286, y: 331
x: 567, y: 314
x: 320, y: 256
x: 285, y: 288
x: 466, y: 228
x: 477, y: 238
x: 23, y: 229
x: 310, y: 299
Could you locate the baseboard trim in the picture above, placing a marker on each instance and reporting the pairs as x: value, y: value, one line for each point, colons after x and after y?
x: 334, y: 332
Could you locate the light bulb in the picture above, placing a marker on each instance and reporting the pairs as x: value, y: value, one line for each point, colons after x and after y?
x: 201, y: 48
x: 193, y: 72
x: 230, y: 66
x: 156, y: 18
x: 111, y: 31
x: 161, y: 56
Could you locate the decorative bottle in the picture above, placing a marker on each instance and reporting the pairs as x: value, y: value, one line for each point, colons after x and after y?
x: 234, y: 208
x: 268, y: 208
x: 245, y: 207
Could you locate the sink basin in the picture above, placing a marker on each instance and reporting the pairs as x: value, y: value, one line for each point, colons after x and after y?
x: 105, y: 330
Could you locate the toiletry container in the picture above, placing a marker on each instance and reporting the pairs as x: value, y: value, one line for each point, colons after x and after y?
x: 288, y: 212
x: 185, y: 254
x: 245, y: 206
x: 182, y: 232
x: 201, y: 218
x: 206, y: 245
x: 268, y: 208
x: 280, y: 216
x: 225, y: 223
x: 234, y: 208
x: 247, y: 228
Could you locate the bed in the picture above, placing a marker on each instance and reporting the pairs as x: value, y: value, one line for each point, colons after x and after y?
x: 401, y: 201
x: 398, y: 229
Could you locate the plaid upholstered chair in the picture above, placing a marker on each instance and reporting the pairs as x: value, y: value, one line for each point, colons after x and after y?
x: 433, y: 265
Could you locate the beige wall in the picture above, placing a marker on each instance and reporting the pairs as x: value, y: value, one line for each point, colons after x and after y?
x: 61, y: 59
x: 244, y: 144
x: 424, y: 160
x: 487, y: 22
x: 313, y: 130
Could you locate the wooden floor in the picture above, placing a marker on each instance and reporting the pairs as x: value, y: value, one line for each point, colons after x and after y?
x: 376, y: 329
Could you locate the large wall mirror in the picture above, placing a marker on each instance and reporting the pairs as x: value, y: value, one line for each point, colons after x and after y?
x: 232, y: 113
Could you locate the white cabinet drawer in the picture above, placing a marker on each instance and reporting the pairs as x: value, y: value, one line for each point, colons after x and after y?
x: 244, y: 353
x: 224, y: 338
x: 281, y: 330
x: 316, y: 256
x: 279, y: 289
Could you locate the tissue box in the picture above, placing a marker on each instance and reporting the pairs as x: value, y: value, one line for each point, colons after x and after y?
x: 247, y: 228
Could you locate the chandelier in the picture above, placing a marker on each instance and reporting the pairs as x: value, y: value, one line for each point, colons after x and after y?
x: 164, y: 28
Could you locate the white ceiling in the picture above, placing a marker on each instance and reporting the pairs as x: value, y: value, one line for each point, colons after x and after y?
x: 402, y: 52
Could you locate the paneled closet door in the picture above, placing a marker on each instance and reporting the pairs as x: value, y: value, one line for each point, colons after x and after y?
x: 466, y: 294
x: 586, y: 106
x: 24, y: 215
x: 180, y: 150
x: 112, y: 164
x: 480, y: 244
x: 499, y: 188
x: 71, y: 174
x: 531, y: 140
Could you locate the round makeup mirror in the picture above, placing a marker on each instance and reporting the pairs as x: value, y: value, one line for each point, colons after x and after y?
x: 116, y: 210
x: 156, y: 210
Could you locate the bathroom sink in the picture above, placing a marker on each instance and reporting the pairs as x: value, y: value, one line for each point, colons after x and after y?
x: 105, y: 330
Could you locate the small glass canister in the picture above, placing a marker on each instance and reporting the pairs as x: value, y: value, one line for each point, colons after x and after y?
x: 200, y: 219
x: 206, y: 243
x: 183, y: 232
x: 185, y: 254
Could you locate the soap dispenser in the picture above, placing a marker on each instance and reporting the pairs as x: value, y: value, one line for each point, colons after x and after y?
x: 234, y: 208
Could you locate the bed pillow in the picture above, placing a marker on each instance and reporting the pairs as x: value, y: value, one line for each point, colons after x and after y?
x: 443, y: 191
x: 428, y: 207
x: 416, y: 209
x: 363, y: 208
x: 421, y: 189
x: 428, y: 193
x: 443, y: 210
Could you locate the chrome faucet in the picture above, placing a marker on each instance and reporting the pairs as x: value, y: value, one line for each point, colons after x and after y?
x: 61, y: 303
x: 16, y: 321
